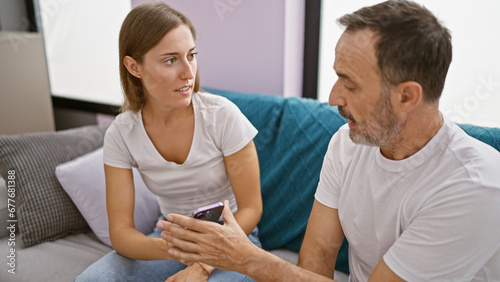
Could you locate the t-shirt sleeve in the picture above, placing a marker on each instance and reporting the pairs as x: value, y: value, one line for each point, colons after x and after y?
x: 116, y: 153
x: 328, y: 190
x: 235, y: 130
x: 450, y: 226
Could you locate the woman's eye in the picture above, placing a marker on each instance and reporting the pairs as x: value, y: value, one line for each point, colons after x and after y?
x: 192, y: 55
x: 170, y: 61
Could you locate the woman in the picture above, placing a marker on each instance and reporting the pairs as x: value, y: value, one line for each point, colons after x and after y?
x: 191, y: 148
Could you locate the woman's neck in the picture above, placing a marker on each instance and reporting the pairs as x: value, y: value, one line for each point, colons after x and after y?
x: 153, y: 115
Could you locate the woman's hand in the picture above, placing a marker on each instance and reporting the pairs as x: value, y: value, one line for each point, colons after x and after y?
x: 194, y: 272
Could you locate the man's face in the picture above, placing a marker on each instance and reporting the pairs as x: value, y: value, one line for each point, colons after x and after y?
x: 359, y: 93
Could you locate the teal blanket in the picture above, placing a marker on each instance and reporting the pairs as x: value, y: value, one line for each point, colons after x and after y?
x: 293, y: 137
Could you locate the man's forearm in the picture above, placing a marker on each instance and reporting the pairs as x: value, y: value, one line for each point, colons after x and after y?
x: 319, y: 267
x: 227, y: 247
x: 264, y: 266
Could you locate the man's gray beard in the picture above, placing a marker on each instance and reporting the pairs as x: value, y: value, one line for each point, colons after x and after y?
x: 381, y: 129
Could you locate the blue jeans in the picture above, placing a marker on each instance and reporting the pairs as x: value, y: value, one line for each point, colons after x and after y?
x: 115, y: 267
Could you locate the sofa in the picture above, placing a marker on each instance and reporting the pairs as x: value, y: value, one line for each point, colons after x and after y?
x: 52, y: 212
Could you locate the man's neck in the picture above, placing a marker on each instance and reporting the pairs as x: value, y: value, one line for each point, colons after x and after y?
x: 417, y: 131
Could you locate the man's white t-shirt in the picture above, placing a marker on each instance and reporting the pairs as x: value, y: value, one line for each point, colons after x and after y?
x: 220, y: 130
x: 434, y: 216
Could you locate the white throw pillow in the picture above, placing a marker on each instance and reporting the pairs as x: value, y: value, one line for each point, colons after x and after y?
x: 83, y: 180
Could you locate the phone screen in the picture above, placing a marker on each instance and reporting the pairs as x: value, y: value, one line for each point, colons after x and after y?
x: 210, y: 212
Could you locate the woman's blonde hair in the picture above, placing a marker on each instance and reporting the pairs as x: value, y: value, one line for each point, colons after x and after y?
x: 141, y: 30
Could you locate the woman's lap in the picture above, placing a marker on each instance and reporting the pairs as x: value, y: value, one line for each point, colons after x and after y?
x: 115, y: 267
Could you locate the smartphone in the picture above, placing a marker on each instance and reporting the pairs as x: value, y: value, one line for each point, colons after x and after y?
x: 210, y: 212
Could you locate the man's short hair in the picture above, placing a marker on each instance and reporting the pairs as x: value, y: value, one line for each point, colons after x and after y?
x: 413, y: 45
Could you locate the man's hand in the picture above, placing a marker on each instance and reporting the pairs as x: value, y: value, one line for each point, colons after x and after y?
x: 227, y: 247
x: 192, y: 240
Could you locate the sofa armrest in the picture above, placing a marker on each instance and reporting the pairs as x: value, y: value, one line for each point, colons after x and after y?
x: 4, y: 213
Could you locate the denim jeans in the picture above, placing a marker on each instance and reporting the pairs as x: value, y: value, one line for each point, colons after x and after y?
x: 115, y: 267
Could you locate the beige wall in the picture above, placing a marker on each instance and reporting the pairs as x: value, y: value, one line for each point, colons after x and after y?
x: 25, y: 102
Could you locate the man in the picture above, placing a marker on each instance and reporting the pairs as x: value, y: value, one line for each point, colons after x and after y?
x: 416, y: 197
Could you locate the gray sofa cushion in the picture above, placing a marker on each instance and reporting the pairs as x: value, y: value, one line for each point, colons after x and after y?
x: 61, y: 260
x: 44, y: 210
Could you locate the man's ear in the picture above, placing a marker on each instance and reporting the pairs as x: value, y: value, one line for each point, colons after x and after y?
x: 408, y: 95
x: 132, y: 66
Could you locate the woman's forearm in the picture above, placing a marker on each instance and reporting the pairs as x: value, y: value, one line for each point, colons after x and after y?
x: 131, y: 243
x: 248, y: 218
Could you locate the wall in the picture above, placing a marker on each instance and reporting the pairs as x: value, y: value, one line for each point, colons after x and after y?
x: 13, y: 15
x: 245, y: 45
x: 26, y: 102
x: 25, y: 107
x: 248, y: 45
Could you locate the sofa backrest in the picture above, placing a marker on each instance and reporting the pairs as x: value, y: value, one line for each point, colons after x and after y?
x: 488, y: 135
x: 293, y: 137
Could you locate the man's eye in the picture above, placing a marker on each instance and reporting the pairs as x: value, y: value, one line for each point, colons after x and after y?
x: 347, y: 87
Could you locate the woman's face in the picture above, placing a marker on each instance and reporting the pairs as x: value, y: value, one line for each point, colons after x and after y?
x: 169, y: 69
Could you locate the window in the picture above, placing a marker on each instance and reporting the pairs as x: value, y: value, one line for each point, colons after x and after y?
x: 79, y: 70
x: 472, y: 89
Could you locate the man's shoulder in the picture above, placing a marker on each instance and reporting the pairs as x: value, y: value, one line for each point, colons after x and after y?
x: 343, y: 151
x: 341, y: 135
x: 469, y: 149
x: 342, y: 141
x: 477, y: 159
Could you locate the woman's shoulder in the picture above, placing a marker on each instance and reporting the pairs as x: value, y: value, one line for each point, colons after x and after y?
x: 124, y: 122
x: 208, y: 100
x: 125, y: 126
x: 127, y: 118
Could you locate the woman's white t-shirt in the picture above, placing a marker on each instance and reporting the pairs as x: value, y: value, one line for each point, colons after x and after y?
x: 220, y: 130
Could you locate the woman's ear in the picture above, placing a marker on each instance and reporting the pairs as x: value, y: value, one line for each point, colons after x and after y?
x: 409, y: 95
x: 132, y: 66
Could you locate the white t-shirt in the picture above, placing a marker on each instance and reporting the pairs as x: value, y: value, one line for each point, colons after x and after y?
x: 220, y: 129
x: 434, y: 216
